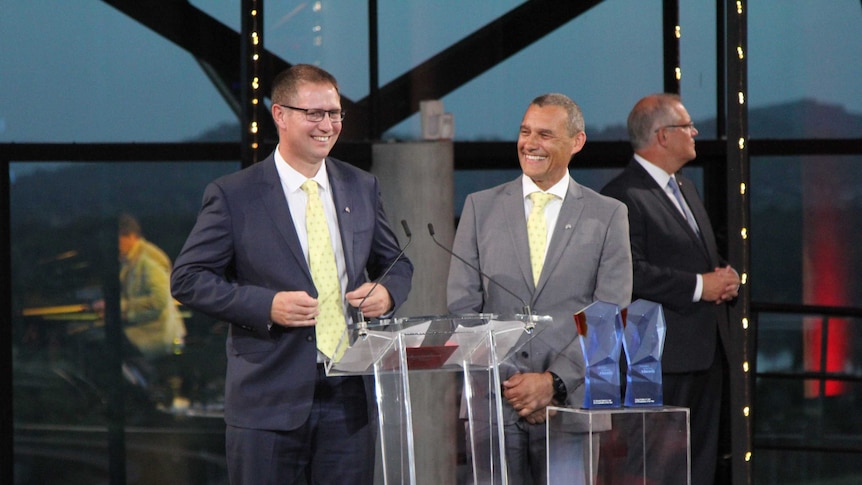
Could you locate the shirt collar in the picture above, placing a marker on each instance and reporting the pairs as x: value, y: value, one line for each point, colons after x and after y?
x: 293, y: 180
x: 559, y: 189
x: 659, y: 175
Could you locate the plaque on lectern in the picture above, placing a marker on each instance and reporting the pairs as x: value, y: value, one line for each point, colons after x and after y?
x: 643, y: 341
x: 600, y: 329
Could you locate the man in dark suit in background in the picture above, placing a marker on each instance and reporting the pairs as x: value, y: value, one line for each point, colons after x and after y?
x: 676, y: 263
x: 251, y: 260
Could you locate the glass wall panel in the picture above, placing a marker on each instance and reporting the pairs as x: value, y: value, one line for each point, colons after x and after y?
x: 793, y: 413
x: 69, y: 249
x: 605, y: 59
x: 805, y: 215
x: 698, y: 81
x: 805, y: 467
x: 804, y: 69
x: 85, y: 72
x: 412, y: 32
x: 332, y: 35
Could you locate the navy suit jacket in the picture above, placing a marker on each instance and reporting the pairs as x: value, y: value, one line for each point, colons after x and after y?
x: 244, y: 249
x: 666, y: 256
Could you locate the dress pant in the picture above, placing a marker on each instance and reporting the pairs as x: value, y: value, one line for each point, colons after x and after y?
x: 336, y: 445
x: 701, y: 393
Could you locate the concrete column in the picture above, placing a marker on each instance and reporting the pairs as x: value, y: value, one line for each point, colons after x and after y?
x: 417, y: 181
x: 418, y: 186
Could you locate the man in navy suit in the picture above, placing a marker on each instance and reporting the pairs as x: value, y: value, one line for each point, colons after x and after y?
x: 246, y: 262
x: 676, y: 263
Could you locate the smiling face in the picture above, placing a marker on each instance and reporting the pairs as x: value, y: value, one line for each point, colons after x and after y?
x: 545, y: 146
x: 304, y: 144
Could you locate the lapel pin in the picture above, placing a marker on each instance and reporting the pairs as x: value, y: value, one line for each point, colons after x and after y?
x: 568, y: 226
x: 347, y: 209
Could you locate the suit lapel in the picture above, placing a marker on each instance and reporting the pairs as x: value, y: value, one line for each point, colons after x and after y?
x: 666, y: 205
x: 567, y: 221
x: 276, y: 205
x: 342, y: 197
x: 513, y: 205
x: 700, y: 216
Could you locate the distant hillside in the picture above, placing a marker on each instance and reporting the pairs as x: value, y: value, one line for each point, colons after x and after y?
x: 806, y: 118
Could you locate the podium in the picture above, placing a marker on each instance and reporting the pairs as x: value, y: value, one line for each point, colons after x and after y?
x: 620, y: 446
x: 476, y: 346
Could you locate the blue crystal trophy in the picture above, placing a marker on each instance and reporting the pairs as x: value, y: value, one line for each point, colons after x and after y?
x: 600, y: 330
x: 643, y: 343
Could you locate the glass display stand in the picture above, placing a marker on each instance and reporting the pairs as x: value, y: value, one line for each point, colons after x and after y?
x: 631, y: 446
x: 473, y: 345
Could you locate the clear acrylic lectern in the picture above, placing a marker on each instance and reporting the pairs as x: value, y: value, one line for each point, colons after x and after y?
x: 474, y: 345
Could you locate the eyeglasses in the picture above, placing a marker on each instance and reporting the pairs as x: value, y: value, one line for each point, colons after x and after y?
x: 689, y: 125
x: 317, y: 115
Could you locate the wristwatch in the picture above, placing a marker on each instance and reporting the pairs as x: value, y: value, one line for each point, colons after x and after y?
x: 559, y: 389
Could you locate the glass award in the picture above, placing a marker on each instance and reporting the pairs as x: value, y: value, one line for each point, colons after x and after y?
x: 643, y: 341
x: 600, y: 329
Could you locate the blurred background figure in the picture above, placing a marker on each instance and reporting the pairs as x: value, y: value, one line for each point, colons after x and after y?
x: 152, y: 323
x: 151, y: 320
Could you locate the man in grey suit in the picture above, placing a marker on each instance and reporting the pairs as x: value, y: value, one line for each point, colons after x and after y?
x: 249, y: 261
x: 676, y: 263
x: 587, y: 258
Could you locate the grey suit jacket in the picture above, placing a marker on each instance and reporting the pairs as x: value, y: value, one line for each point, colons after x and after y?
x: 244, y: 249
x: 667, y: 256
x: 588, y: 259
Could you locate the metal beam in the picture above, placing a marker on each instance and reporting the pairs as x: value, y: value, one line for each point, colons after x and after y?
x: 219, y: 46
x: 738, y: 185
x: 670, y: 44
x: 473, y: 56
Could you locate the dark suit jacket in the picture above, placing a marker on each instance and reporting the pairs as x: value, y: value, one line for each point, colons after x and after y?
x: 243, y: 249
x: 667, y: 255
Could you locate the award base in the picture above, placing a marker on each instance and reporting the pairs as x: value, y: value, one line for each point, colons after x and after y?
x: 622, y: 446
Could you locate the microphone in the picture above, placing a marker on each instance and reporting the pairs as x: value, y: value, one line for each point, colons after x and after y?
x: 530, y: 325
x: 363, y: 331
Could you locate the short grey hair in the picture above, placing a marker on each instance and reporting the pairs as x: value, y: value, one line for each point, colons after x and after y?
x: 575, y: 123
x: 648, y: 114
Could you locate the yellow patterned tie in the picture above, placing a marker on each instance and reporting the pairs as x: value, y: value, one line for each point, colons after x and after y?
x: 537, y: 232
x: 321, y: 261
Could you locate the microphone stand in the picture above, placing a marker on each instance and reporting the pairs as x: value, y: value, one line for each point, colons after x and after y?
x: 531, y: 324
x: 362, y: 324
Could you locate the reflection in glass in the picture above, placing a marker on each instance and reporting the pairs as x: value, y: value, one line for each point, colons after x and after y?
x: 68, y: 250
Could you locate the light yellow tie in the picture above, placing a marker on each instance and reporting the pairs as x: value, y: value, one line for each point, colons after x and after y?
x: 321, y: 261
x: 537, y: 232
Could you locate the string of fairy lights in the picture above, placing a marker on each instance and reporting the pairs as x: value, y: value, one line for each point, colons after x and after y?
x: 254, y: 106
x: 741, y: 158
x: 738, y: 171
x: 255, y: 46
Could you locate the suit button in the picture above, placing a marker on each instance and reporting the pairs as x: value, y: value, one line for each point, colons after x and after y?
x: 309, y: 338
x: 525, y: 354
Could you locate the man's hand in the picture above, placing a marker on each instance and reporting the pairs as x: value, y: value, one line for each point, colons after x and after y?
x: 294, y: 309
x: 722, y: 285
x: 530, y: 394
x: 376, y: 304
